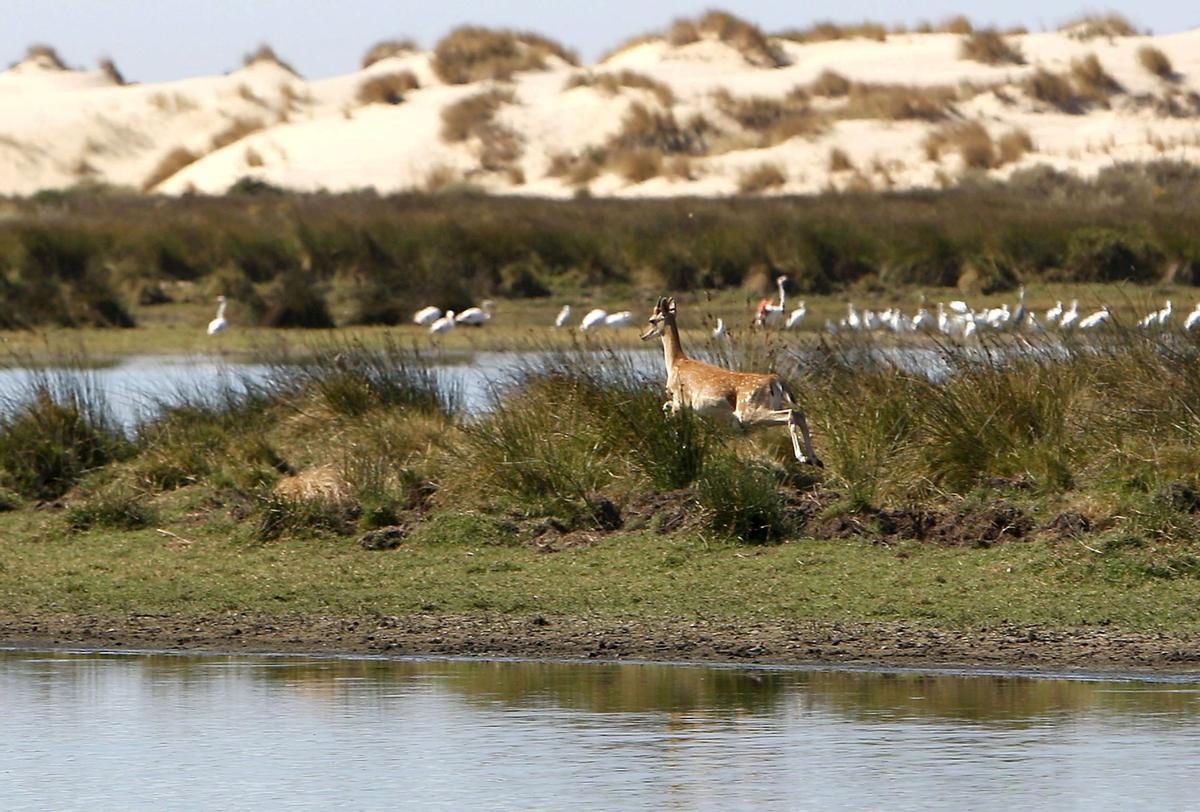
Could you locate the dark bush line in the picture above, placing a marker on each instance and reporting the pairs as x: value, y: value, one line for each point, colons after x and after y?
x: 79, y: 258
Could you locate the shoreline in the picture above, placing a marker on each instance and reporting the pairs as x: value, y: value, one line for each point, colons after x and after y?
x: 1010, y: 647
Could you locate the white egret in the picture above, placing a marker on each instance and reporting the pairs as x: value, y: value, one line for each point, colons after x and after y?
x: 1193, y: 318
x: 220, y: 324
x: 618, y: 319
x: 1095, y: 320
x: 797, y: 316
x: 719, y: 330
x: 477, y: 316
x: 1069, y: 317
x: 593, y: 318
x: 444, y: 324
x: 563, y: 316
x: 427, y: 315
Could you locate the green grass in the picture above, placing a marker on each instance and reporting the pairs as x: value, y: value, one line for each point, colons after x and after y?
x: 453, y: 567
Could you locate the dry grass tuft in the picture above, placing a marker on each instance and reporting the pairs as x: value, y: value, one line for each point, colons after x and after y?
x: 991, y: 48
x: 253, y: 157
x: 839, y: 161
x: 1156, y: 62
x: 1092, y: 82
x: 46, y: 54
x: 1051, y: 88
x: 638, y: 164
x: 473, y: 53
x: 957, y: 24
x: 830, y: 31
x: 969, y: 139
x: 774, y: 120
x: 659, y: 130
x: 109, y: 69
x: 1013, y: 145
x: 440, y: 178
x: 760, y: 178
x: 387, y: 49
x: 611, y: 83
x: 745, y: 37
x: 387, y: 88
x: 474, y: 117
x: 265, y: 53
x: 171, y: 164
x: 682, y: 32
x: 1091, y: 26
x: 235, y: 131
x: 898, y: 102
x: 467, y: 116
x: 830, y: 84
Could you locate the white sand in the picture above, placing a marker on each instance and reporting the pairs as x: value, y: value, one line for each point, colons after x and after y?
x: 61, y: 128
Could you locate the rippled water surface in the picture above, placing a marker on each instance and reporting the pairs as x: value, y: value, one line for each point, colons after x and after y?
x: 105, y: 731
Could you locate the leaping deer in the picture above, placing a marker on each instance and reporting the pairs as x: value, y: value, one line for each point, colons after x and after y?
x: 750, y: 398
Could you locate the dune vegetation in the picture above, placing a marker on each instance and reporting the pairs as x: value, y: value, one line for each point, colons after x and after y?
x: 96, y: 258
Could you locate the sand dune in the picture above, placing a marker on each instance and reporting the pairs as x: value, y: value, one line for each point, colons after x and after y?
x: 61, y: 127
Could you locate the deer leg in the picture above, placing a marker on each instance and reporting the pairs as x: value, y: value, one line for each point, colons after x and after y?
x: 792, y: 418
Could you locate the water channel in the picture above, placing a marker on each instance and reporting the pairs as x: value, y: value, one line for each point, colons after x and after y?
x: 159, y: 731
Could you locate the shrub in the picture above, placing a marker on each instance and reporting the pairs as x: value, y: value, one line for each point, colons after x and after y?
x: 282, y: 517
x: 1013, y: 145
x: 46, y: 54
x: 839, y: 161
x: 1156, y: 62
x: 295, y: 299
x: 473, y: 53
x: 828, y: 31
x: 1051, y: 88
x: 660, y: 131
x: 109, y: 69
x: 760, y: 178
x: 387, y: 49
x: 1105, y: 255
x: 830, y: 83
x: 638, y: 164
x: 1091, y: 26
x: 956, y: 25
x: 235, y: 131
x: 776, y: 120
x: 990, y: 48
x: 969, y: 138
x: 387, y: 88
x: 741, y: 498
x: 472, y: 114
x: 1091, y: 80
x: 897, y: 102
x: 113, y: 509
x: 611, y: 83
x: 168, y: 166
x: 266, y: 54
x: 743, y: 36
x: 58, y: 431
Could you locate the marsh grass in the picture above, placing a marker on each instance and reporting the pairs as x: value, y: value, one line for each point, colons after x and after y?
x: 991, y: 48
x: 387, y: 88
x: 740, y: 497
x: 54, y: 431
x: 112, y: 509
x: 1156, y: 62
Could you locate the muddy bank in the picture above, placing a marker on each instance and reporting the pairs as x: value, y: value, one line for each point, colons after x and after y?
x: 676, y: 639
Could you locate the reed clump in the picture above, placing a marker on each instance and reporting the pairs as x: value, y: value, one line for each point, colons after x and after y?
x: 388, y: 49
x: 1156, y: 62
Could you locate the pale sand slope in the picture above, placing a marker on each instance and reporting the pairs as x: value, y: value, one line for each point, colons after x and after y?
x: 59, y: 128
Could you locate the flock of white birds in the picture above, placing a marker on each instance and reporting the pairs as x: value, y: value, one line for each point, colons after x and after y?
x: 955, y: 319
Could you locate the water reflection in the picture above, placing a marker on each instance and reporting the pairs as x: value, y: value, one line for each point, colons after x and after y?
x: 370, y: 733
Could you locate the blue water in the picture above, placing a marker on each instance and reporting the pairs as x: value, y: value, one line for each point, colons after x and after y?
x: 101, y: 731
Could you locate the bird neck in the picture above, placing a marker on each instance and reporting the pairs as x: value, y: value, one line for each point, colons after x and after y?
x: 221, y: 310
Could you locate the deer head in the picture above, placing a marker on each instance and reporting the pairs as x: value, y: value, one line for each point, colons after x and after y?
x: 662, y: 315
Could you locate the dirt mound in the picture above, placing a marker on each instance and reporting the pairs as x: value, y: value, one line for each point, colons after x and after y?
x: 978, y: 527
x: 1069, y: 523
x: 663, y: 513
